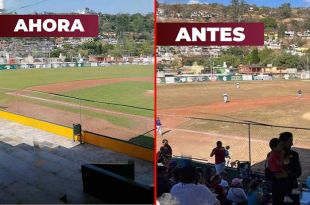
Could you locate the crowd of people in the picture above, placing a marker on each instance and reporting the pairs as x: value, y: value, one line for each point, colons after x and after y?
x: 190, y: 185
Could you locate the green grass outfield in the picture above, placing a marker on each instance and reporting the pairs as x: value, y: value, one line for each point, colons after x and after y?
x: 127, y: 93
x: 23, y: 78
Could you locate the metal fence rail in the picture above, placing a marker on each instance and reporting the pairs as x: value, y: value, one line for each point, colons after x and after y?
x: 132, y: 123
x: 248, y: 140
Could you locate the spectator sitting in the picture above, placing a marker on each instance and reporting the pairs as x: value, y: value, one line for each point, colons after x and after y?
x: 175, y: 176
x: 208, y: 174
x: 236, y: 193
x: 255, y: 194
x: 215, y: 185
x: 189, y: 193
x: 224, y: 183
x: 165, y: 152
x: 200, y: 176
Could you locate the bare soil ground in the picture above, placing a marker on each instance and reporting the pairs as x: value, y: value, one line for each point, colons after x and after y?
x: 67, y: 118
x: 21, y: 104
x: 267, y: 102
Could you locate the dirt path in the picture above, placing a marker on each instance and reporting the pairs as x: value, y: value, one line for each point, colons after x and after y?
x: 175, y: 116
x: 82, y: 84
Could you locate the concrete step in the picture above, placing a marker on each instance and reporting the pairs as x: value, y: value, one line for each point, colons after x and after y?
x: 87, y: 153
x: 49, y: 162
x: 18, y: 183
x: 27, y: 167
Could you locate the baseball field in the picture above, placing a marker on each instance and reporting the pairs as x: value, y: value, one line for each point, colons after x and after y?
x: 194, y: 117
x: 115, y: 101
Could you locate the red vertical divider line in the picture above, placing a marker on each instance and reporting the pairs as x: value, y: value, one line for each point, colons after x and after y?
x: 155, y: 101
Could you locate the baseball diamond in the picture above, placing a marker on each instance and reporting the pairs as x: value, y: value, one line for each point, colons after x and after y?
x: 113, y: 101
x: 189, y: 114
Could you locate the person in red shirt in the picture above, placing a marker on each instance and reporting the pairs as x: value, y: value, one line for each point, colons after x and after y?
x: 276, y: 164
x: 215, y: 185
x: 219, y: 153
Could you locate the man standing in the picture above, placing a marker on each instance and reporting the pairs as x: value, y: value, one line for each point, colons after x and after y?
x: 288, y: 184
x: 219, y: 153
x: 238, y: 85
x: 299, y: 93
x: 158, y: 126
x: 225, y: 95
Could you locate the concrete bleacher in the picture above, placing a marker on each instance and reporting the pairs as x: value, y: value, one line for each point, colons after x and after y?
x: 40, y: 167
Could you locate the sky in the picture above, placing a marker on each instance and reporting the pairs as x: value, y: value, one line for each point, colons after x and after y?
x: 270, y: 3
x: 66, y: 6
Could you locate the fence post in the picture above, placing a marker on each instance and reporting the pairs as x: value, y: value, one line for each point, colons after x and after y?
x: 249, y: 130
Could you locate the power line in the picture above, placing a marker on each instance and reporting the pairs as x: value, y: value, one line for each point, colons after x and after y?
x: 28, y: 5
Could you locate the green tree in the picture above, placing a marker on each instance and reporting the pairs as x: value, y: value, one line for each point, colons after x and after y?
x: 266, y: 56
x: 285, y: 10
x: 287, y: 60
x: 236, y: 51
x: 282, y: 28
x: 270, y: 23
x: 237, y: 8
x: 56, y: 52
x: 254, y: 56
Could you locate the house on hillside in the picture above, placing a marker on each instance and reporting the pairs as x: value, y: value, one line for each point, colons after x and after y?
x: 289, y: 33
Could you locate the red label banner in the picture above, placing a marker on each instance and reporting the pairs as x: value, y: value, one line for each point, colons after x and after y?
x: 210, y: 34
x: 49, y: 25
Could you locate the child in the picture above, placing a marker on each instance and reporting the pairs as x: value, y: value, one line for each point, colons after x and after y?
x: 227, y: 156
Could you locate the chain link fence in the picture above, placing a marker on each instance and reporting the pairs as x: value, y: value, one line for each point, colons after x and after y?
x: 248, y: 141
x: 126, y: 122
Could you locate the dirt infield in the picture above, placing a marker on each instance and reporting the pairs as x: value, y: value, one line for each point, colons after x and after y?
x: 67, y: 118
x: 169, y: 116
x: 94, y: 119
x: 81, y: 84
x: 265, y: 102
x: 199, y: 145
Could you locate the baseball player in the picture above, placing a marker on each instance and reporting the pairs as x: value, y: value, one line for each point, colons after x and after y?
x: 238, y: 85
x: 158, y: 126
x: 225, y: 95
x: 299, y: 93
